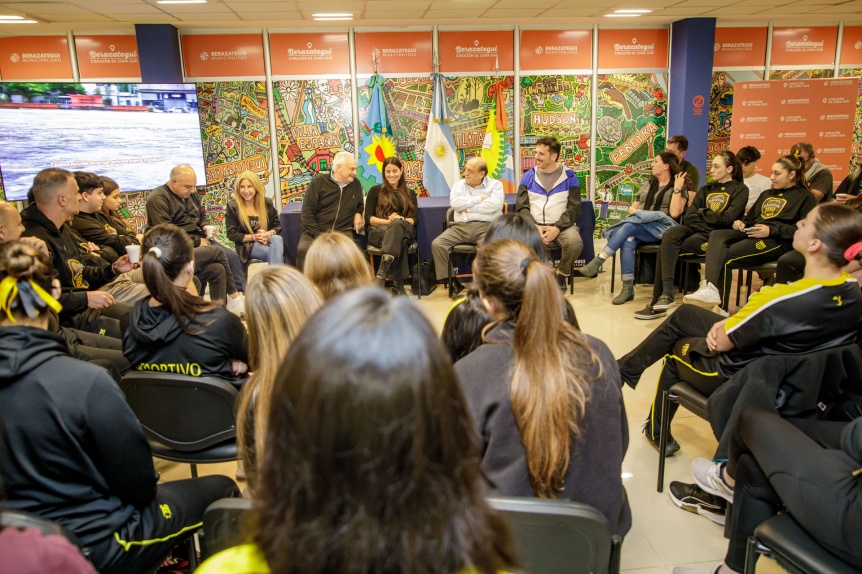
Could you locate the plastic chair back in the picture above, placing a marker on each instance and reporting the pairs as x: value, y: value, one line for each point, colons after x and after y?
x: 224, y: 524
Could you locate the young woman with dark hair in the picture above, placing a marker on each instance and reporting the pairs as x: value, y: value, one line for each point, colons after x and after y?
x: 111, y: 217
x: 175, y: 330
x: 252, y: 222
x: 465, y: 323
x: 519, y: 227
x: 545, y: 398
x: 279, y: 300
x: 370, y: 464
x: 821, y: 311
x: 716, y: 206
x: 71, y: 449
x: 390, y: 222
x: 659, y: 205
x: 764, y: 234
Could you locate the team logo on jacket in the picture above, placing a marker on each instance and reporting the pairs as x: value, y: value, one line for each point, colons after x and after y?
x: 110, y: 229
x: 703, y: 247
x: 760, y: 245
x: 77, y: 269
x: 772, y: 207
x: 717, y: 201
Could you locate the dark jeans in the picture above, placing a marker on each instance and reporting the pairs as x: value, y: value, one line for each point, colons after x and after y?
x: 111, y: 321
x: 778, y: 464
x: 91, y: 347
x: 681, y: 341
x: 213, y: 268
x: 393, y: 239
x: 791, y: 267
x: 150, y: 534
x: 676, y: 241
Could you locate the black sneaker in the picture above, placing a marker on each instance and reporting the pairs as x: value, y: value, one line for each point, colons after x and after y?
x: 691, y: 498
x: 650, y: 312
x: 563, y: 282
x: 671, y: 448
x: 455, y: 289
x: 664, y: 302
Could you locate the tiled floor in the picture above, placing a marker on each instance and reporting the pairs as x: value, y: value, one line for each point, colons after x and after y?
x: 662, y: 536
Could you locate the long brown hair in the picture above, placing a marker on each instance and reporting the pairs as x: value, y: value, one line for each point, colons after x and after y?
x: 672, y: 162
x: 278, y: 302
x: 334, y: 264
x: 259, y: 201
x: 371, y: 464
x: 386, y: 195
x: 167, y: 249
x: 109, y: 186
x: 549, y: 388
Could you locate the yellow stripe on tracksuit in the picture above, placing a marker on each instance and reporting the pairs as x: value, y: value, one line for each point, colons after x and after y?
x: 128, y: 545
x: 727, y: 266
x: 652, y: 413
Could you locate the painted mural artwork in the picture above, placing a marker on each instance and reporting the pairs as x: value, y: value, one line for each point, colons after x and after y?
x: 408, y: 103
x: 313, y: 122
x: 800, y: 74
x: 857, y: 129
x: 721, y: 110
x: 631, y: 130
x: 559, y: 106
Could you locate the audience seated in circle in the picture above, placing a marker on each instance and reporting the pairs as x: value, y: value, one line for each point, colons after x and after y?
x: 71, y: 449
x: 544, y: 397
x: 252, y: 222
x: 820, y: 311
x: 335, y: 264
x: 370, y: 464
x: 390, y: 223
x: 660, y: 203
x: 279, y: 300
x: 175, y: 330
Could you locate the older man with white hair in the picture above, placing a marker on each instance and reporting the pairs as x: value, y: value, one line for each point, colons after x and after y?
x: 333, y: 202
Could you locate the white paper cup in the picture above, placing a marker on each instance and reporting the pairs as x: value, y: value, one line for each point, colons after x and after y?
x: 210, y: 231
x: 134, y: 252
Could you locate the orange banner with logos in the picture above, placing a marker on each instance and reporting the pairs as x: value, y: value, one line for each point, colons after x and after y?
x: 108, y: 57
x: 35, y: 58
x: 397, y: 52
x: 813, y: 46
x: 774, y: 115
x: 556, y: 50
x: 633, y: 49
x: 466, y: 51
x: 744, y: 47
x: 851, y: 46
x: 309, y: 54
x: 223, y: 55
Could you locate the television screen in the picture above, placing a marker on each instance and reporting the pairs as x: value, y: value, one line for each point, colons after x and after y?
x: 132, y: 133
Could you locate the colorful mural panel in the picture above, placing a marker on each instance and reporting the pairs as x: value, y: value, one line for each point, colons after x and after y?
x: 313, y: 122
x: 408, y: 103
x: 721, y: 110
x: 559, y: 105
x: 632, y: 128
x: 857, y: 130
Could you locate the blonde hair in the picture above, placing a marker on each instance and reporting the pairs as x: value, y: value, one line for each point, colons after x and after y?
x: 259, y: 201
x: 335, y: 264
x: 553, y: 361
x: 279, y: 300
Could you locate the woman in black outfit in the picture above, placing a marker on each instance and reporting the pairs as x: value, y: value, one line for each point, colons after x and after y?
x: 390, y: 222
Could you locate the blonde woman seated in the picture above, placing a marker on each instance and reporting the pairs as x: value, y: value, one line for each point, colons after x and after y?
x: 252, y: 222
x: 279, y: 300
x: 544, y: 397
x: 390, y: 223
x: 370, y: 465
x: 335, y: 264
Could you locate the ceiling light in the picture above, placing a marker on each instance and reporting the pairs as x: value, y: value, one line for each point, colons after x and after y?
x: 333, y: 15
x: 2, y: 22
x: 632, y: 11
x: 329, y: 19
x: 181, y: 1
x: 11, y: 17
x: 621, y: 15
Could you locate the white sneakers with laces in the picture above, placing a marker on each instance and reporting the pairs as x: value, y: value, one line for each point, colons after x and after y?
x: 236, y: 305
x: 707, y: 295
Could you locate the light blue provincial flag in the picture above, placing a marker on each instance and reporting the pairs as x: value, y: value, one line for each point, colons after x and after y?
x: 440, y: 169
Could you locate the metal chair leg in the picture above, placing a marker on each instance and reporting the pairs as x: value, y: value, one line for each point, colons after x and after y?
x: 613, y: 271
x: 662, y: 441
x: 752, y: 553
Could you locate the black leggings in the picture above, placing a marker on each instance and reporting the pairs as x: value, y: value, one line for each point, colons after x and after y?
x: 676, y: 241
x: 778, y: 464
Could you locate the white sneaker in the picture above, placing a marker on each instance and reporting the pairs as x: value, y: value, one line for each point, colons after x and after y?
x: 720, y: 311
x: 236, y: 305
x: 707, y: 475
x: 705, y: 296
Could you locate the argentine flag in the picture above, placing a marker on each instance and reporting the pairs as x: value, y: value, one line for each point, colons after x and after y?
x: 440, y: 169
x: 375, y: 143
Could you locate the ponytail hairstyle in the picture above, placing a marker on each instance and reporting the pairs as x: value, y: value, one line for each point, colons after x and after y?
x: 730, y: 160
x: 795, y: 164
x: 26, y: 275
x: 278, y: 302
x: 335, y: 264
x: 839, y: 229
x: 167, y: 249
x: 387, y: 193
x: 553, y: 362
x: 259, y: 201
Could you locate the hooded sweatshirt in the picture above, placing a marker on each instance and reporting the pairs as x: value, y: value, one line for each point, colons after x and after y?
x: 780, y: 209
x: 71, y: 449
x: 717, y: 206
x: 156, y: 342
